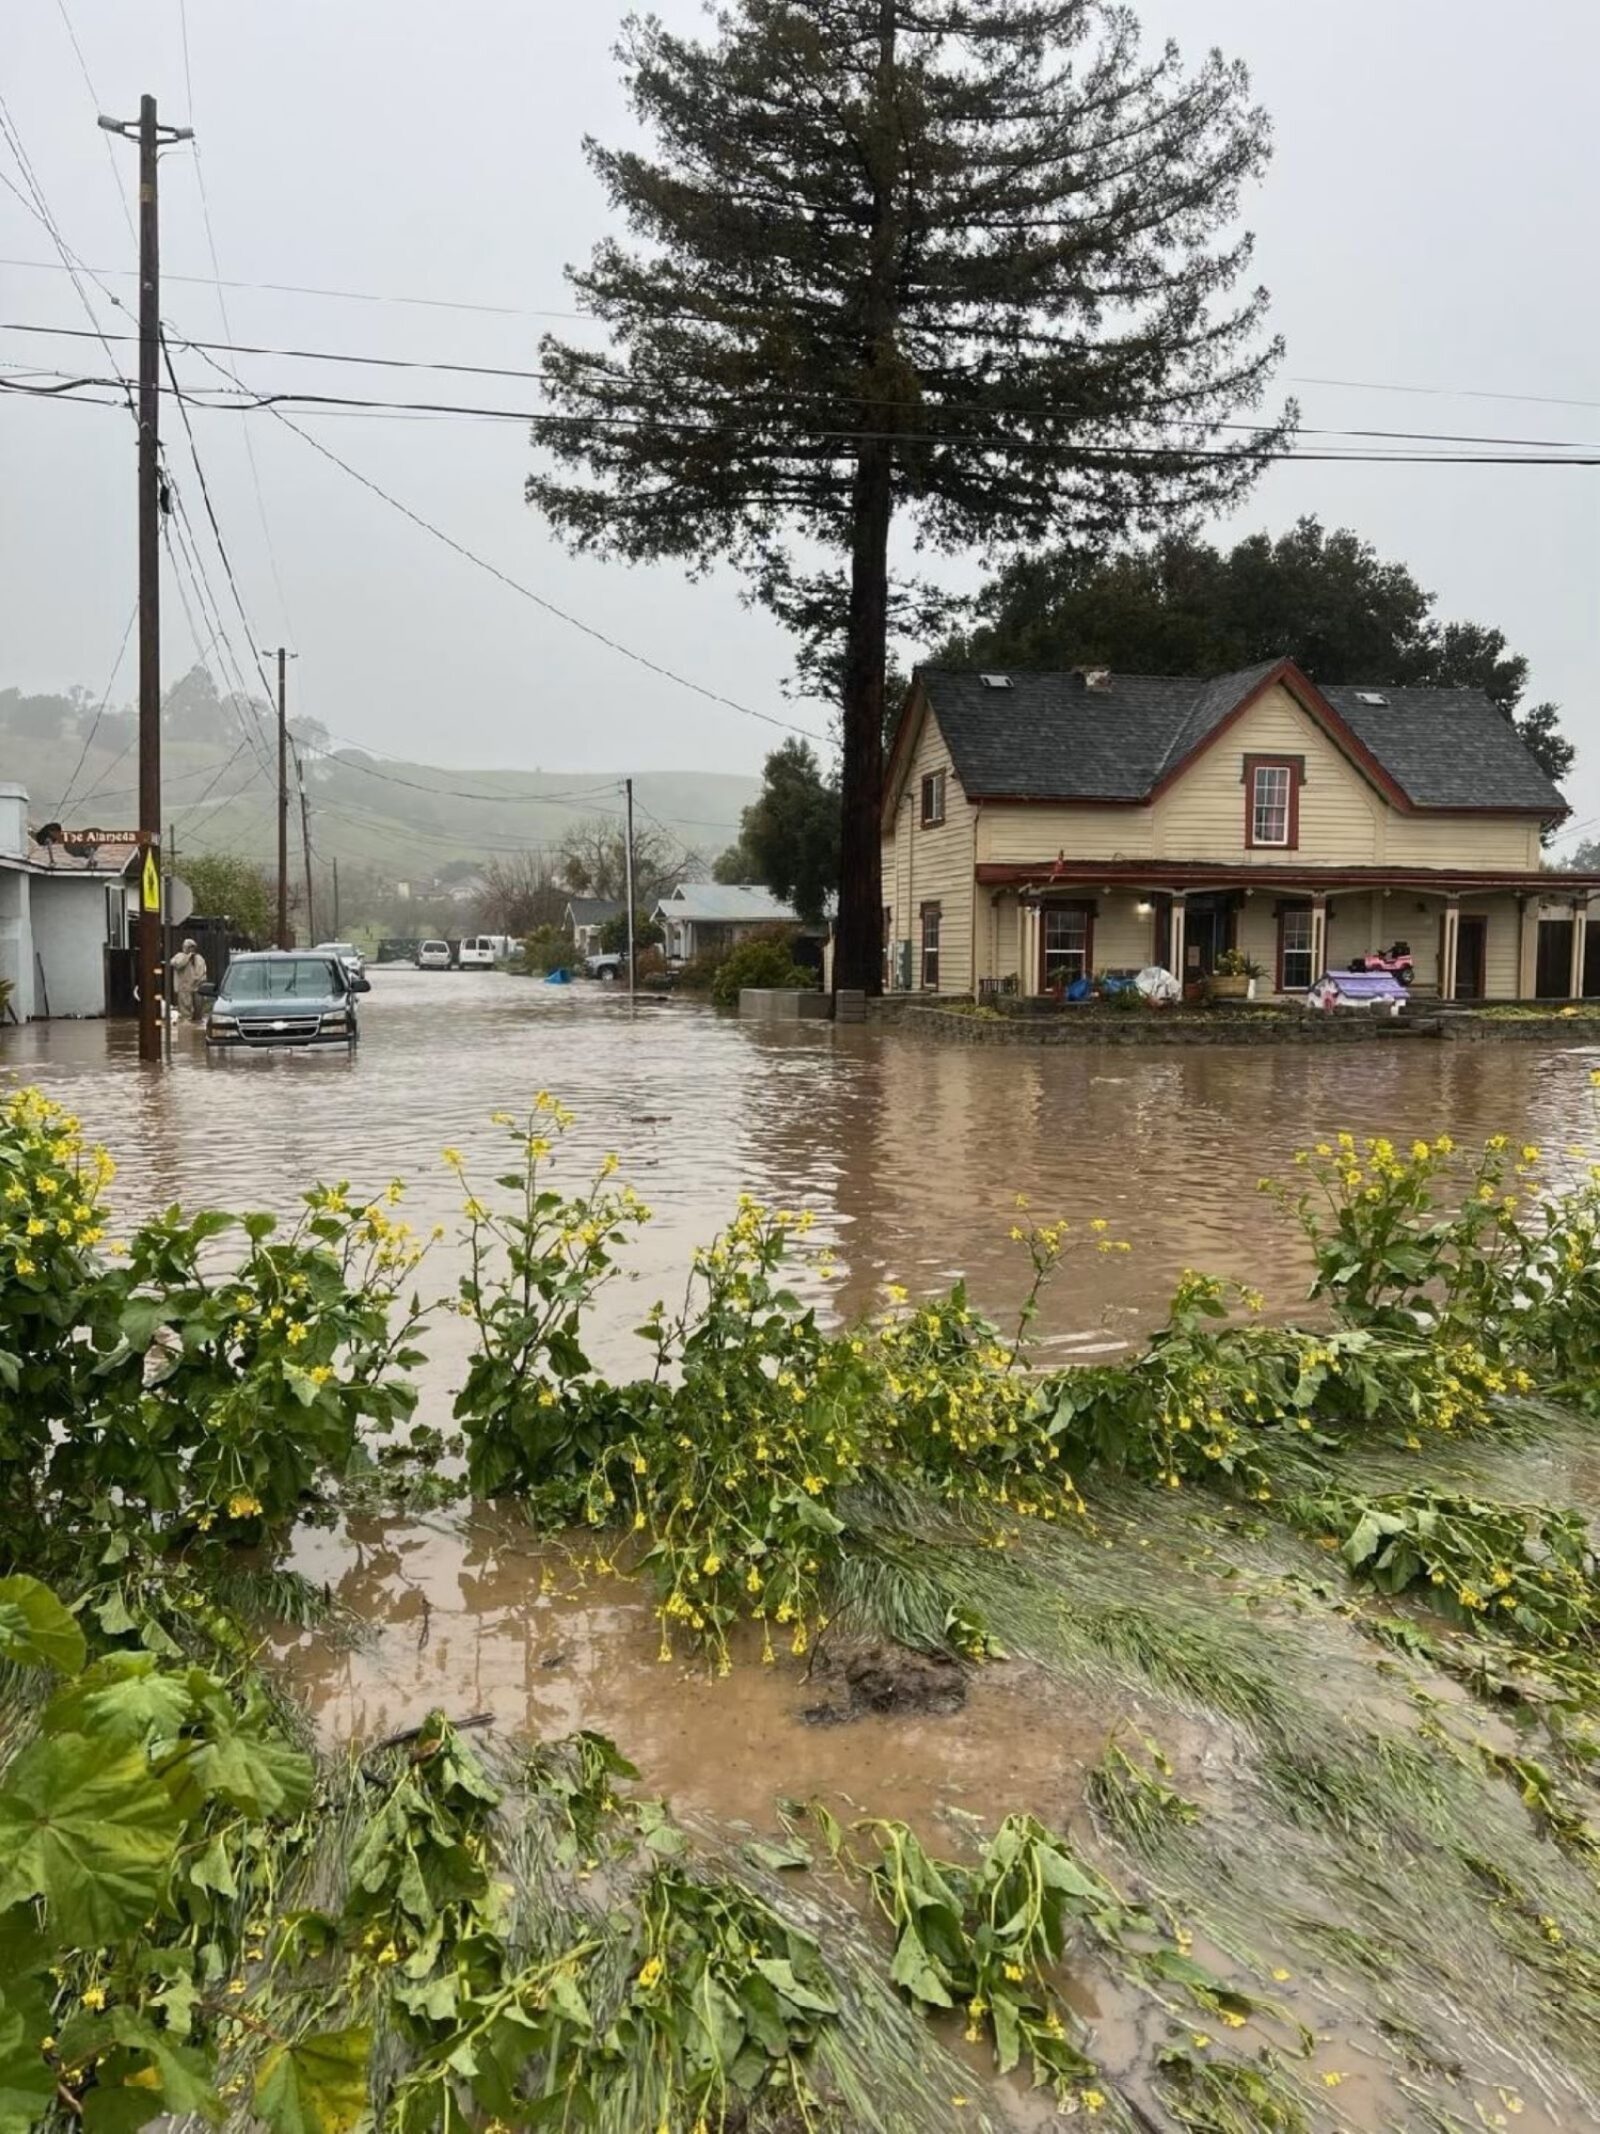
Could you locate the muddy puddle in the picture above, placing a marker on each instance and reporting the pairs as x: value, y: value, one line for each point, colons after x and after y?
x: 483, y: 1618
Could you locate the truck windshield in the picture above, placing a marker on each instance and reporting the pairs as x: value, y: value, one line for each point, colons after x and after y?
x: 288, y: 978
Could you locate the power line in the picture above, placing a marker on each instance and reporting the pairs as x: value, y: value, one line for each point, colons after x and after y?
x: 354, y: 296
x: 39, y: 208
x: 94, y: 98
x: 459, y: 792
x: 241, y: 401
x: 459, y: 548
x: 590, y: 318
x: 105, y: 699
x: 227, y: 328
x: 833, y: 399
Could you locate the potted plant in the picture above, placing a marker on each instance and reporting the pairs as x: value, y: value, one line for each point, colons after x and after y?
x: 1234, y: 976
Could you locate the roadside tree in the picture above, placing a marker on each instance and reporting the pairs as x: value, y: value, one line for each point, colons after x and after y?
x: 224, y: 887
x: 790, y: 832
x: 592, y: 861
x: 971, y: 264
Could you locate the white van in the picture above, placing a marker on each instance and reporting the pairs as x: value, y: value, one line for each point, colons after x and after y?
x: 476, y: 953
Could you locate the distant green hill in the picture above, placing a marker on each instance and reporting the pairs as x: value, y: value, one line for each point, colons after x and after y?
x: 404, y: 820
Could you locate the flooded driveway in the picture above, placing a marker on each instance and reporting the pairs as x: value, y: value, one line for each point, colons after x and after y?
x: 910, y: 1151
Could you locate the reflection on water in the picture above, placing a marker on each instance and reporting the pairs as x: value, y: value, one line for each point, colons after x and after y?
x: 911, y: 1152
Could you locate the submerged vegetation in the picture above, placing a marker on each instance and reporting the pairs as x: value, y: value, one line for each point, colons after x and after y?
x: 1333, y: 1574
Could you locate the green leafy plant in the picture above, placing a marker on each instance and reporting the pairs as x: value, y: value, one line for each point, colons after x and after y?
x: 759, y: 961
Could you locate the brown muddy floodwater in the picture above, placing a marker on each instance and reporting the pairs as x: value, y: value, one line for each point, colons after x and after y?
x: 910, y: 1154
x: 909, y: 1151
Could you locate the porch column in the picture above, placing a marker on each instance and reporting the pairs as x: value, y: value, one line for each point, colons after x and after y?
x: 1319, y: 936
x: 1175, y: 940
x: 1027, y: 948
x: 1527, y: 947
x: 1449, y: 936
x: 1580, y: 937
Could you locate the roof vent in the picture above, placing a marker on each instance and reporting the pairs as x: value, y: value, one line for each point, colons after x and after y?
x: 1371, y: 696
x: 995, y: 681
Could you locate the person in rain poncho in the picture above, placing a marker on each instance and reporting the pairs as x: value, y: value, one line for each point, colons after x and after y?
x: 188, y: 975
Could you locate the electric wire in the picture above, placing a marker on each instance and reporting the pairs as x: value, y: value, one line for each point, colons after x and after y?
x: 94, y: 728
x: 590, y: 318
x: 40, y: 210
x: 538, y: 373
x: 94, y: 98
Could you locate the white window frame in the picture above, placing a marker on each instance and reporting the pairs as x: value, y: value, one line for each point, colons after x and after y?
x: 1260, y: 809
x: 932, y: 799
x: 1296, y: 917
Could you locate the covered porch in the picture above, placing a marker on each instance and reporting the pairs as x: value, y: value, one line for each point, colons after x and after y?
x: 1486, y: 937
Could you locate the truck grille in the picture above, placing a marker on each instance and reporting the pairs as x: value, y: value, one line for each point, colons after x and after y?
x: 279, y: 1029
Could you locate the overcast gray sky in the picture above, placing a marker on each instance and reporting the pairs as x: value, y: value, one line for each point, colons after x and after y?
x: 1427, y: 223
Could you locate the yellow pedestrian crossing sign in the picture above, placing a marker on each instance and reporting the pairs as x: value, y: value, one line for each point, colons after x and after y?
x: 150, y: 886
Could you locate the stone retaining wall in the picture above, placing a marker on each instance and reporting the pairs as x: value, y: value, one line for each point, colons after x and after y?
x: 1243, y: 1029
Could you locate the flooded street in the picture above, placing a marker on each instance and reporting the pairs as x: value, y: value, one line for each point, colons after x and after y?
x: 910, y: 1152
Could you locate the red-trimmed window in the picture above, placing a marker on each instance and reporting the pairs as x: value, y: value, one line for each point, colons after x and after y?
x: 931, y: 916
x: 933, y: 800
x: 1295, y: 974
x: 1068, y: 943
x: 1272, y: 802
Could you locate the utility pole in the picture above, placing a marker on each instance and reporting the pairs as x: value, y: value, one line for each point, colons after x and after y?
x: 336, y: 896
x: 283, y: 801
x: 627, y: 787
x: 152, y: 137
x: 305, y: 844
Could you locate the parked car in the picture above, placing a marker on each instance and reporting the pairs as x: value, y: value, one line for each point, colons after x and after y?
x: 286, y: 997
x: 476, y: 953
x: 348, y: 954
x: 433, y: 956
x: 608, y: 965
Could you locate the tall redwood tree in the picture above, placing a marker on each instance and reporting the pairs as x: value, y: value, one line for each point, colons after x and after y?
x: 968, y: 262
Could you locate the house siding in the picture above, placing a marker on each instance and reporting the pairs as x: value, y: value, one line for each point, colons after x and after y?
x: 1204, y: 812
x: 933, y: 864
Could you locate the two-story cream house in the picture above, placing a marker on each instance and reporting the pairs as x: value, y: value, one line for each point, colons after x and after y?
x: 1038, y: 827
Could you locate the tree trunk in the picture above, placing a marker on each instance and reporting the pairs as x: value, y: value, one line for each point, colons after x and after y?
x: 858, y: 940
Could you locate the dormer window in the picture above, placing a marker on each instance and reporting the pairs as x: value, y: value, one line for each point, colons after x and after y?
x: 932, y: 799
x: 1272, y: 802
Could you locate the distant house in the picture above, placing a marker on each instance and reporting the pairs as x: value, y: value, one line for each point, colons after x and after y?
x: 708, y: 918
x: 586, y: 918
x: 61, y: 906
x: 1041, y: 827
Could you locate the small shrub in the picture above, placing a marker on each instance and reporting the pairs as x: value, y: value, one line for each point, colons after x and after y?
x: 548, y: 948
x: 757, y: 962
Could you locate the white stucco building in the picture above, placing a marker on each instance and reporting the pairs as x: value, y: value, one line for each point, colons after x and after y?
x: 60, y: 907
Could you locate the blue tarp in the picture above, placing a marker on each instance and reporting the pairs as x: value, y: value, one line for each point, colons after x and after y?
x: 558, y: 978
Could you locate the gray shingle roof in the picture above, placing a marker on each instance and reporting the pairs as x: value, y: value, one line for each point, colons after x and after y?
x: 1446, y: 748
x: 1048, y: 737
x: 593, y: 911
x: 706, y: 903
